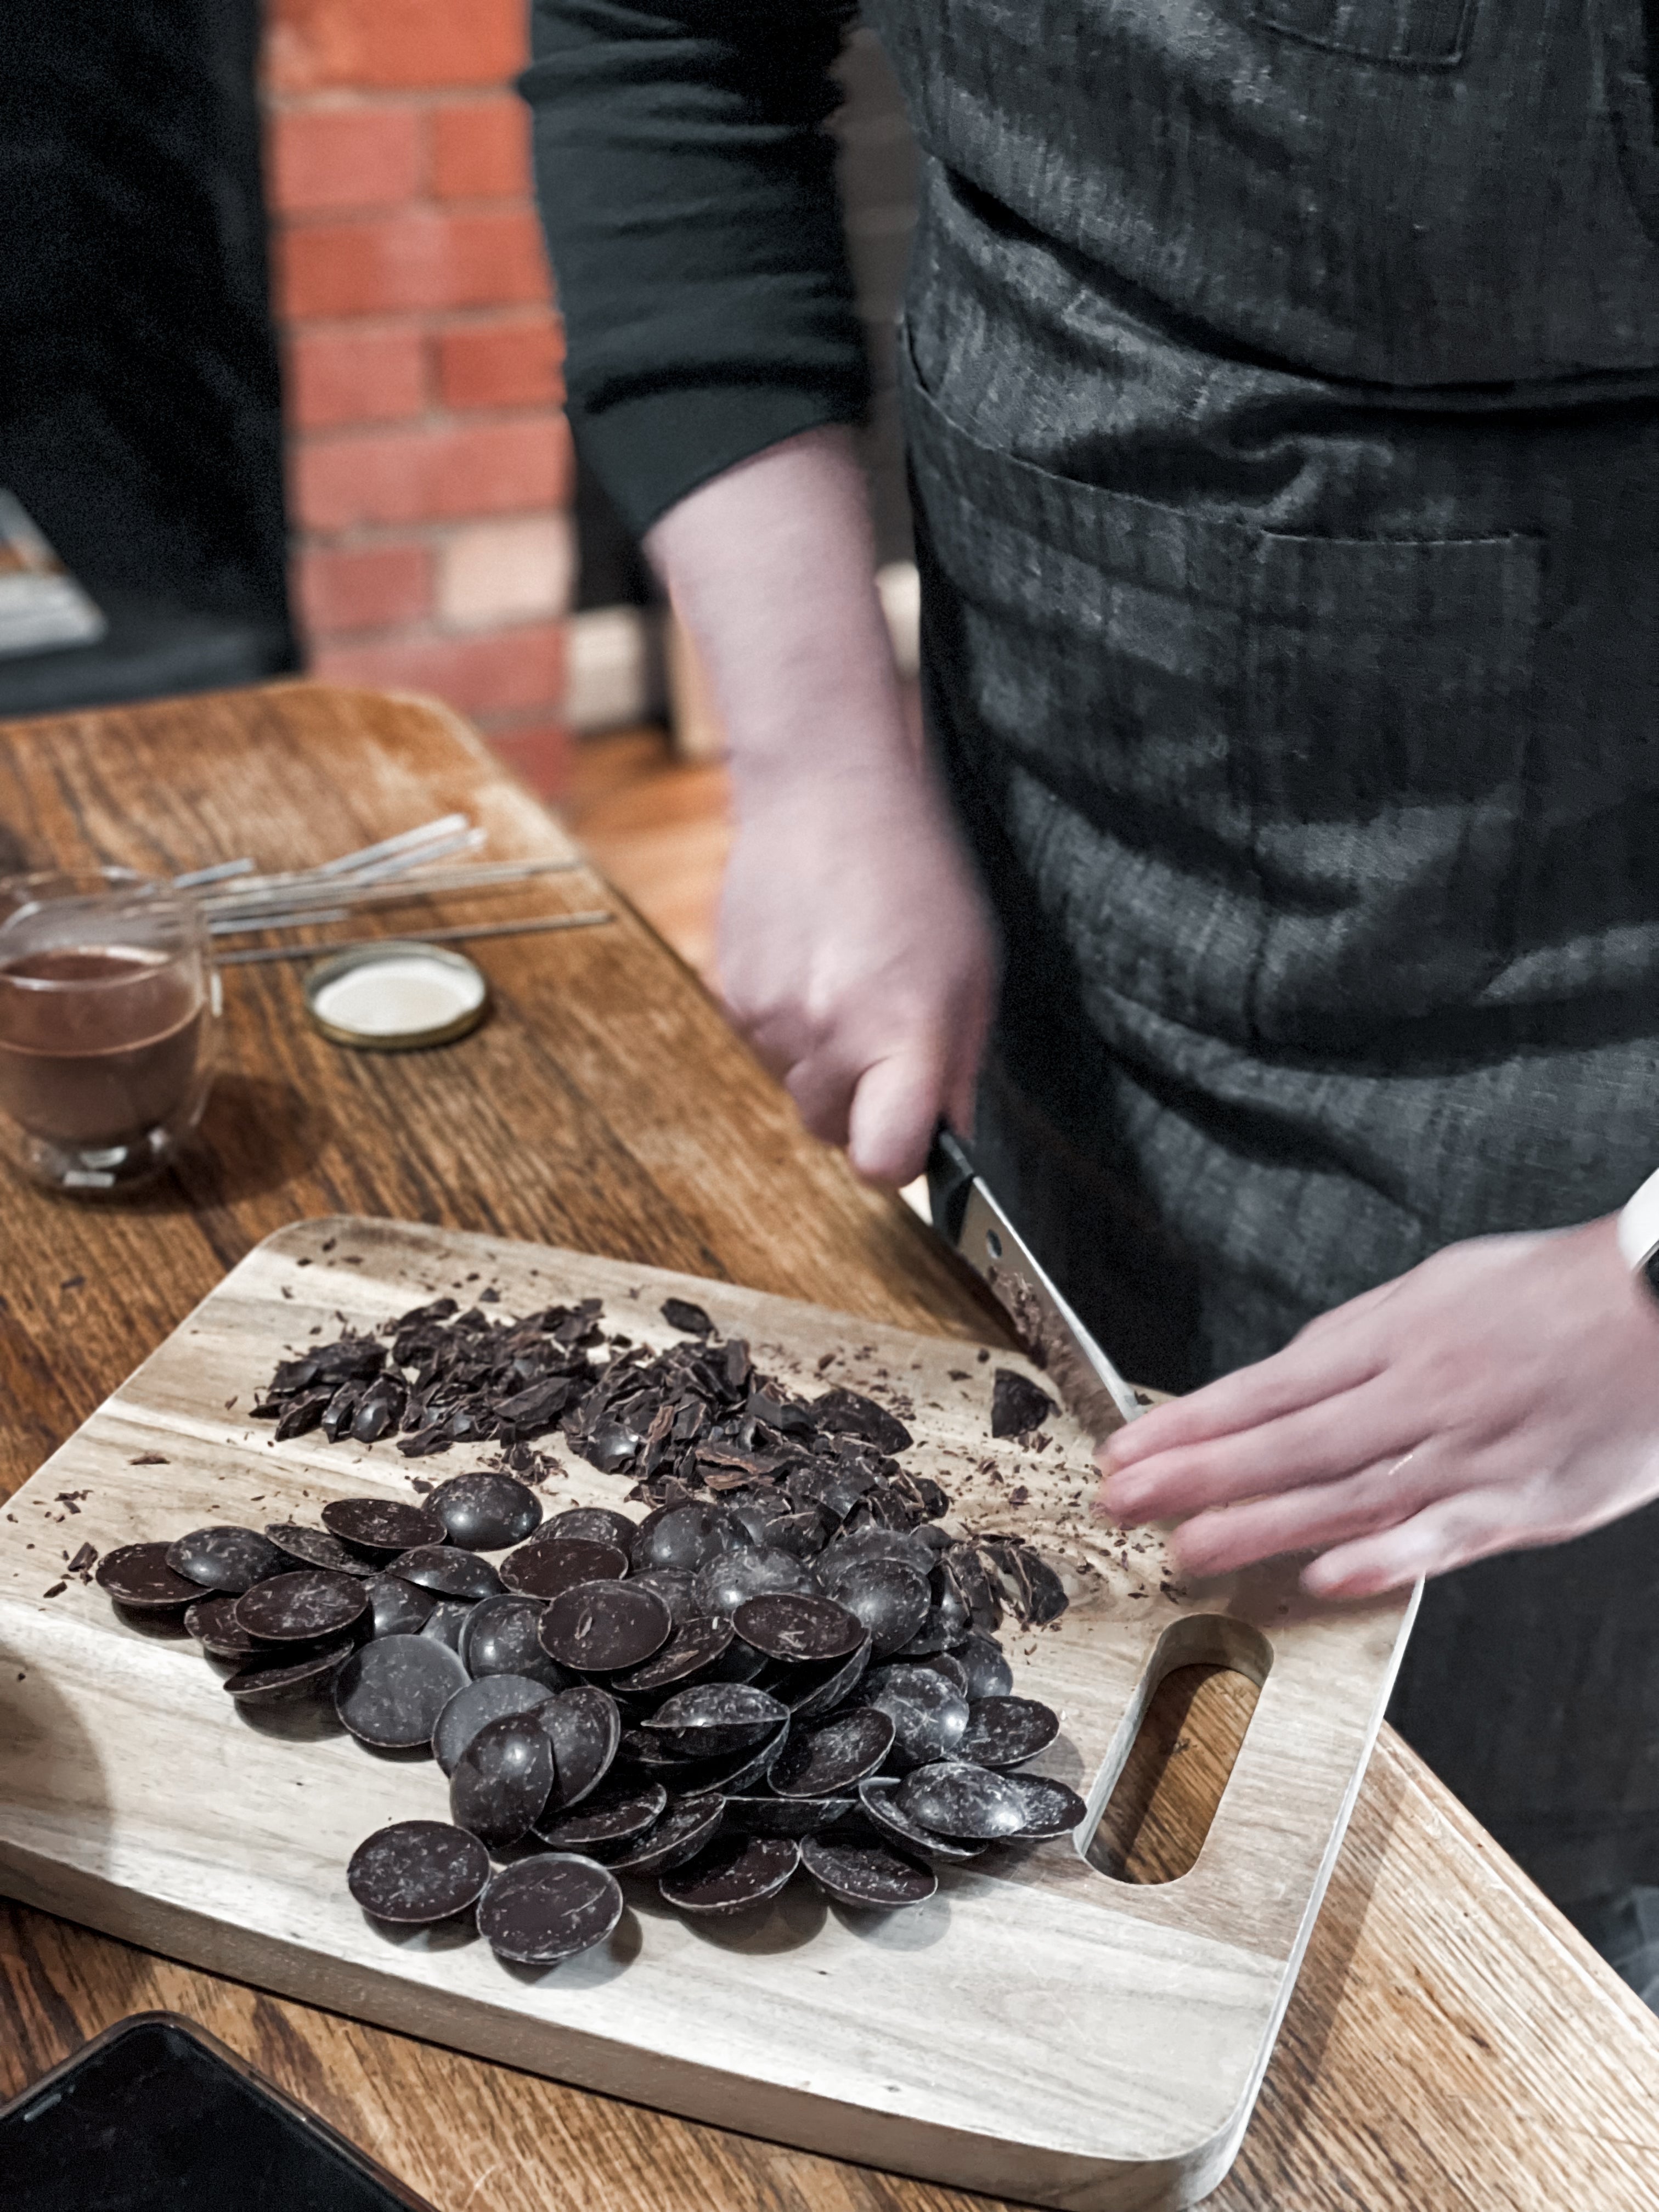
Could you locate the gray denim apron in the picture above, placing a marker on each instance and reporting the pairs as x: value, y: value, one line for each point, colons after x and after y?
x: 1281, y: 396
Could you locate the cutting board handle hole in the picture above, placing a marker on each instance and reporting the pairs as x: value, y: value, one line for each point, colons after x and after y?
x: 1184, y: 1734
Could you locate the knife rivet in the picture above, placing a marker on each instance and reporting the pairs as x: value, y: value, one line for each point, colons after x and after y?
x: 993, y: 1244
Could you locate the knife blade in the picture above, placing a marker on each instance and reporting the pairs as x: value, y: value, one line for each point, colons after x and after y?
x: 966, y: 1215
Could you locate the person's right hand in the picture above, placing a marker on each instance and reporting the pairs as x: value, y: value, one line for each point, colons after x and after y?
x: 856, y: 958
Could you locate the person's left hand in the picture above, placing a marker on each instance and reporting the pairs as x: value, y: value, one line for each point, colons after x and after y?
x: 1505, y: 1393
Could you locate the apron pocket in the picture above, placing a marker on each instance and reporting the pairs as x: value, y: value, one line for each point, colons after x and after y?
x: 1387, y: 717
x: 1410, y: 33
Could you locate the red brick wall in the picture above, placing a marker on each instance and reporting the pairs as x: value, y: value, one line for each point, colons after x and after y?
x: 429, y: 460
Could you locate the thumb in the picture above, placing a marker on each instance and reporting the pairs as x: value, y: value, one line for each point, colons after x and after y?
x: 895, y: 1108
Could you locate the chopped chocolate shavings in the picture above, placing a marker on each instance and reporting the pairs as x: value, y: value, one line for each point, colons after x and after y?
x: 1017, y: 1404
x: 681, y: 1314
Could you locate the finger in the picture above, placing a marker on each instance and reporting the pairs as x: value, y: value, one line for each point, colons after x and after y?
x: 1302, y: 1375
x: 1448, y: 1533
x: 894, y: 1112
x: 1319, y: 1443
x: 1337, y: 1317
x: 1376, y: 1497
x: 823, y: 1090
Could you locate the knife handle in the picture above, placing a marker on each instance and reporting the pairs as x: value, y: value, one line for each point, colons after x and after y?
x: 949, y: 1178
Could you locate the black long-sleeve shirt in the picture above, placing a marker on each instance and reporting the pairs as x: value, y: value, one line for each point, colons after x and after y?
x: 687, y: 187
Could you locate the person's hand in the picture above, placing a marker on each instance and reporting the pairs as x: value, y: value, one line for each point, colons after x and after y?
x: 1505, y: 1394
x: 856, y: 957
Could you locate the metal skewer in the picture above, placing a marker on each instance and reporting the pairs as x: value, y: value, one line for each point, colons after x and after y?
x: 460, y: 933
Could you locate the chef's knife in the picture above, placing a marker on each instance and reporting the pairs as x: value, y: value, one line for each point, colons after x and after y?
x: 968, y: 1217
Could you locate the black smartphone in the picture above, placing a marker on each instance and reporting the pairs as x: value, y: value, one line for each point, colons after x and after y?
x: 155, y: 2116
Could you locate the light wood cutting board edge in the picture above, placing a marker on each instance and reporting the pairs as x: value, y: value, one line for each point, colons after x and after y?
x: 1245, y: 1909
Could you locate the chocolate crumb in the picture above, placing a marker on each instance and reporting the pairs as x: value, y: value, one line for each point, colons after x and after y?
x: 150, y: 1459
x: 57, y: 1590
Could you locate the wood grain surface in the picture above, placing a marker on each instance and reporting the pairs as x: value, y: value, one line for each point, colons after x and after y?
x: 1451, y: 2042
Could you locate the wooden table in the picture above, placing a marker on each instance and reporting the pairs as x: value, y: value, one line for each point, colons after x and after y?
x: 1451, y: 2043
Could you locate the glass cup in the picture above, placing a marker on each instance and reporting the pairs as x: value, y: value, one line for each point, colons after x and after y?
x: 108, y: 1000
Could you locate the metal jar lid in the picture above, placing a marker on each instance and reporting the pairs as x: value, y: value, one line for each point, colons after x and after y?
x: 396, y: 996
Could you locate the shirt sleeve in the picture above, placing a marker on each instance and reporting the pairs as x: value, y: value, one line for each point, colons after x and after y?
x: 687, y: 187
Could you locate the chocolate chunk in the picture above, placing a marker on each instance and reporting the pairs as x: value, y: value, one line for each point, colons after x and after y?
x: 475, y: 1706
x: 546, y: 1908
x: 929, y: 1715
x: 501, y: 1781
x: 687, y: 1824
x: 878, y: 1797
x: 731, y: 1873
x: 584, y: 1726
x: 1047, y: 1809
x: 830, y: 1757
x: 681, y: 1314
x: 957, y: 1799
x: 449, y: 1572
x: 1029, y: 1584
x: 721, y: 1584
x: 417, y: 1873
x: 212, y: 1621
x: 396, y: 1608
x: 553, y: 1563
x: 1005, y: 1732
x: 890, y: 1601
x: 137, y: 1575
x: 846, y: 1413
x: 390, y: 1693
x: 284, y: 1679
x: 317, y: 1548
x: 500, y: 1638
x: 795, y: 1627
x: 486, y: 1512
x: 1017, y: 1404
x: 381, y: 1525
x: 604, y: 1628
x: 379, y: 1410
x: 301, y: 1607
x: 617, y: 1813
x: 866, y: 1876
x: 226, y: 1559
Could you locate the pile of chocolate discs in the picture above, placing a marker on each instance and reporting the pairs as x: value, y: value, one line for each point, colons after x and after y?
x: 793, y: 1675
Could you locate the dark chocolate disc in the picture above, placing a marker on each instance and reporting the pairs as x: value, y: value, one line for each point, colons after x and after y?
x: 486, y: 1512
x: 212, y: 1622
x: 954, y: 1798
x: 501, y: 1781
x: 890, y: 1600
x: 138, y: 1575
x: 857, y: 1547
x: 1007, y: 1731
x: 682, y: 1833
x: 712, y: 1719
x: 315, y: 1548
x: 868, y: 1876
x: 390, y: 1693
x: 677, y: 1591
x: 381, y: 1527
x: 680, y: 1538
x: 617, y: 1813
x: 812, y: 1691
x: 985, y: 1664
x: 544, y: 1909
x: 281, y: 1680
x: 449, y: 1572
x: 594, y: 1524
x: 929, y: 1715
x: 491, y: 1698
x: 731, y: 1873
x: 723, y: 1583
x: 692, y: 1650
x: 948, y: 1664
x: 786, y: 1816
x: 396, y: 1608
x: 738, y: 1770
x: 584, y: 1726
x: 788, y: 1625
x: 553, y: 1563
x: 226, y: 1559
x: 418, y: 1872
x: 879, y: 1798
x: 604, y: 1628
x: 301, y: 1607
x: 1049, y: 1807
x: 948, y: 1623
x: 447, y: 1622
x: 828, y: 1758
x: 500, y: 1638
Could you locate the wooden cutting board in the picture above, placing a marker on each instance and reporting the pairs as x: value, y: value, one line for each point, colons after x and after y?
x: 1037, y: 2031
